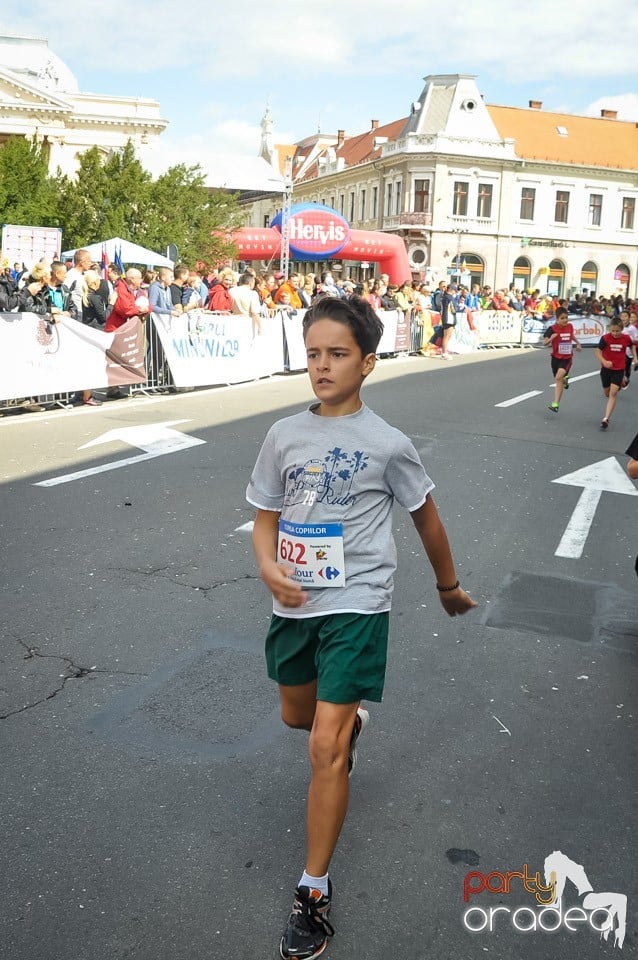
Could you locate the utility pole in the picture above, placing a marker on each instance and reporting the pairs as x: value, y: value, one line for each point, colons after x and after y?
x: 284, y: 259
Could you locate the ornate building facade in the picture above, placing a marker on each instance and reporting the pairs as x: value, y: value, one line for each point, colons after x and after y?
x: 496, y: 194
x: 40, y: 97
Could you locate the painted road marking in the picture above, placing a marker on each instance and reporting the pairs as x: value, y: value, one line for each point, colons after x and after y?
x: 245, y: 527
x: 603, y: 476
x: 582, y: 376
x: 519, y: 399
x: 156, y: 439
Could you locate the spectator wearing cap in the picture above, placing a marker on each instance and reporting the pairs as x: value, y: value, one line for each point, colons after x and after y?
x: 290, y: 286
x: 279, y: 279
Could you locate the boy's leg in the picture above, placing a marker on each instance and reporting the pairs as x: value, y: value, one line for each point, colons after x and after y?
x: 611, y: 402
x: 329, y: 787
x: 560, y: 378
x: 298, y: 705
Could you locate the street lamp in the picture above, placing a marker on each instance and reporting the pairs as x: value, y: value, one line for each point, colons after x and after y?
x: 459, y: 231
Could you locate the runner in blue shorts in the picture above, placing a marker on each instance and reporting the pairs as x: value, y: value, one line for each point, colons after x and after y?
x: 324, y: 485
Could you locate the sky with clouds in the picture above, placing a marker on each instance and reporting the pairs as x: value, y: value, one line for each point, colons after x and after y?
x: 213, y: 68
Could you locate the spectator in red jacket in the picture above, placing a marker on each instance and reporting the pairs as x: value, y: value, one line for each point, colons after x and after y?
x: 220, y: 298
x: 131, y: 300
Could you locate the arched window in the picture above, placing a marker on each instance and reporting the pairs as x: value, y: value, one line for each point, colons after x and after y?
x: 522, y: 273
x: 556, y: 278
x: 622, y: 276
x: 468, y: 263
x: 589, y: 278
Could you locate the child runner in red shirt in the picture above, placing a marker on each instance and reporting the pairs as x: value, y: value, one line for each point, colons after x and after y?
x: 611, y: 351
x: 562, y: 339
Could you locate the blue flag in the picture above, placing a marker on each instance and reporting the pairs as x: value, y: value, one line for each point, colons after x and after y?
x: 117, y: 259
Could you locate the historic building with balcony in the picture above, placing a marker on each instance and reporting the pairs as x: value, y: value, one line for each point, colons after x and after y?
x: 497, y: 194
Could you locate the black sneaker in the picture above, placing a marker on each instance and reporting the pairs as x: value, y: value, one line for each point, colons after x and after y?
x: 361, y: 721
x: 604, y: 423
x: 307, y: 930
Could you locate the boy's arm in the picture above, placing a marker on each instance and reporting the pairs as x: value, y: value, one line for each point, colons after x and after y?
x: 548, y: 339
x: 434, y: 539
x: 274, y: 575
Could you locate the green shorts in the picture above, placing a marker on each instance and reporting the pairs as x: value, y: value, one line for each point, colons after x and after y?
x: 344, y: 652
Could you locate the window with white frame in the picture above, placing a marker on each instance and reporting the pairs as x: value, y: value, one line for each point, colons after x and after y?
x: 421, y: 196
x: 528, y: 201
x: 561, y: 206
x: 595, y: 209
x: 484, y: 201
x: 388, y: 199
x: 459, y: 205
x: 628, y: 213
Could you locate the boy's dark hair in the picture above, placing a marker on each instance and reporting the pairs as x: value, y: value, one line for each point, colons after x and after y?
x: 562, y: 312
x: 355, y: 313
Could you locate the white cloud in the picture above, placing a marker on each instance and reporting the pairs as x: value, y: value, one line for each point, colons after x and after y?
x: 626, y: 104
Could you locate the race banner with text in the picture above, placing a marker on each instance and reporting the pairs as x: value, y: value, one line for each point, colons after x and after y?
x: 206, y: 349
x: 39, y: 357
x: 588, y: 330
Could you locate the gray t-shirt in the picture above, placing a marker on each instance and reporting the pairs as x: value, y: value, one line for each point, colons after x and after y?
x: 347, y: 470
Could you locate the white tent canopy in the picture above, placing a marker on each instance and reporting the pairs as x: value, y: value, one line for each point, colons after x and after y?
x: 130, y: 253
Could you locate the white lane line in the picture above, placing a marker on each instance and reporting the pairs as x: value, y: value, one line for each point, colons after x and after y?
x: 245, y: 527
x: 583, y: 376
x: 523, y: 396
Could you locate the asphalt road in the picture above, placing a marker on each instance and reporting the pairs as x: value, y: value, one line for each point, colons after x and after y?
x: 152, y: 804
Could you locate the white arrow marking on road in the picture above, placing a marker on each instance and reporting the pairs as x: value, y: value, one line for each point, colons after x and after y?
x: 606, y: 475
x: 156, y: 439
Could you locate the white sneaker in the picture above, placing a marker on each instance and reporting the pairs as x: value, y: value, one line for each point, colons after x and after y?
x: 361, y: 721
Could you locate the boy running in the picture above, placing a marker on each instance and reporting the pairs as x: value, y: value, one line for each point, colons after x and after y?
x: 611, y: 351
x: 562, y: 339
x: 324, y: 485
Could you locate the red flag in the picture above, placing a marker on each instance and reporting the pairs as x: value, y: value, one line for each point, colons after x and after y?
x: 105, y: 261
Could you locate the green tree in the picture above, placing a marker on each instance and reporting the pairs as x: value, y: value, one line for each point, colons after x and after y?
x: 27, y: 194
x: 183, y: 211
x: 126, y: 196
x: 82, y: 200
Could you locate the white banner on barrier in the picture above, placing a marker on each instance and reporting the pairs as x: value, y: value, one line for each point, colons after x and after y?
x: 294, y: 339
x: 297, y: 348
x: 498, y: 327
x: 588, y: 330
x: 388, y: 343
x: 206, y: 349
x: 38, y: 357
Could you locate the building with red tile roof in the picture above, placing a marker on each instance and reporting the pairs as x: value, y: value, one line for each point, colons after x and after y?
x: 500, y: 194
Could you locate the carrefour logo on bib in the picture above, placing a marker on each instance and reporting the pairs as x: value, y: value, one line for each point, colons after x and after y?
x: 315, y: 232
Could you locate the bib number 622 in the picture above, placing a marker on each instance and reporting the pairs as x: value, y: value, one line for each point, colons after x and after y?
x: 292, y: 552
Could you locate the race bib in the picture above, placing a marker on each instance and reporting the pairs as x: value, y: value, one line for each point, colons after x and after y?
x: 315, y: 550
x: 566, y: 349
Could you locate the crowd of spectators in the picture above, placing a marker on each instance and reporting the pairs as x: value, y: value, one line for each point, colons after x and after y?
x: 105, y: 299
